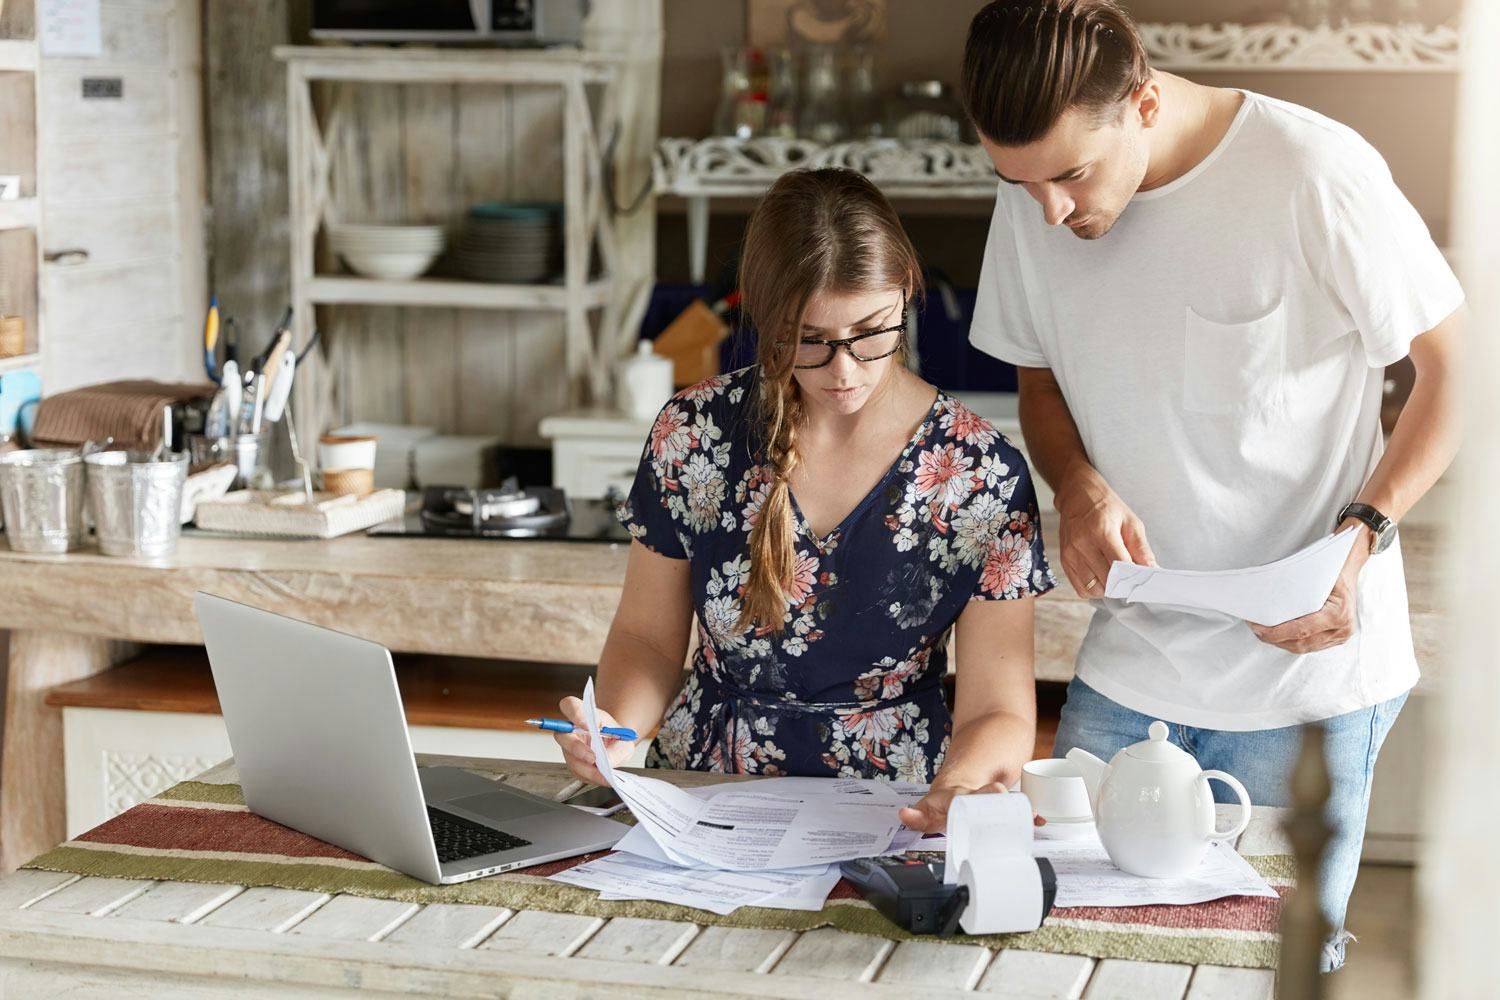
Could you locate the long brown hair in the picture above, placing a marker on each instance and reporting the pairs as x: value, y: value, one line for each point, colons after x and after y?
x: 815, y: 231
x: 1026, y: 62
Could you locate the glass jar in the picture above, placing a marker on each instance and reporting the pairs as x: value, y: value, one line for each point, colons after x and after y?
x: 927, y: 110
x: 742, y: 93
x: 781, y: 107
x: 822, y: 116
x: 863, y: 108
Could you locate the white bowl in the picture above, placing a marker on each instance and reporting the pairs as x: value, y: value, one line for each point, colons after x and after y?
x: 389, y: 266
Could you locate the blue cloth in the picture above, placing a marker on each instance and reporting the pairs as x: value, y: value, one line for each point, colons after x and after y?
x: 852, y: 685
x: 1262, y: 760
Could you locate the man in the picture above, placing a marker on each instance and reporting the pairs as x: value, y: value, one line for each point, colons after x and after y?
x: 1201, y: 312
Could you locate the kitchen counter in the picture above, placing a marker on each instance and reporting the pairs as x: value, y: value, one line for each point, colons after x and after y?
x: 73, y: 616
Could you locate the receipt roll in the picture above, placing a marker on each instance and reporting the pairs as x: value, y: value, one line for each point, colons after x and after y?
x: 1006, y: 894
x: 989, y: 852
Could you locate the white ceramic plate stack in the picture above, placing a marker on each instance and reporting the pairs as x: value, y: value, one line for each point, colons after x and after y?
x: 393, y: 253
x: 514, y: 243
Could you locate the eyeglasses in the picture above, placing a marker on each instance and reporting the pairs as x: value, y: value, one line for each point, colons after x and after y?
x: 870, y: 346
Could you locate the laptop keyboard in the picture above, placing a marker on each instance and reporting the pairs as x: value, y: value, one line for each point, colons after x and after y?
x: 458, y: 838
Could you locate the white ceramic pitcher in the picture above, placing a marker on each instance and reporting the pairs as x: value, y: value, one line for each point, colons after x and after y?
x: 1153, y: 806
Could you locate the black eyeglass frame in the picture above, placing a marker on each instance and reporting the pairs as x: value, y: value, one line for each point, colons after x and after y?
x: 849, y: 342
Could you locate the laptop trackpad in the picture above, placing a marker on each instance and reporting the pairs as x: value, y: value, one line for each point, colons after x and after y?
x: 499, y: 806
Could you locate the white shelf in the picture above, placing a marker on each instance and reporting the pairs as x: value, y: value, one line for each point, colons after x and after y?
x: 20, y: 361
x: 17, y: 55
x: 1285, y: 47
x: 448, y: 293
x: 19, y: 214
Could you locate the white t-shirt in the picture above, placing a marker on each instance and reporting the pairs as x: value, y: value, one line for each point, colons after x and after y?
x: 1221, y: 351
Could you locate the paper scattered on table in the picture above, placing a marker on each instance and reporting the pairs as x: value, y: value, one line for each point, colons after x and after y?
x: 990, y: 853
x: 1086, y: 876
x: 69, y: 28
x: 1267, y: 595
x: 628, y: 876
x: 755, y: 826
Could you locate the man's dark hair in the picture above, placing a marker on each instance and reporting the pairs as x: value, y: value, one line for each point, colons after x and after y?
x: 1026, y: 62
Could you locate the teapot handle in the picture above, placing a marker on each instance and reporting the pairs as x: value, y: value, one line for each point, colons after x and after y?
x: 1239, y: 790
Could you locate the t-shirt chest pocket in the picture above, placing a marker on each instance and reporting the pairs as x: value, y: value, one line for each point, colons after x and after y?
x: 1234, y: 368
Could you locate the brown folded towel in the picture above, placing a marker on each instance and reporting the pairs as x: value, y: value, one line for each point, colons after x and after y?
x: 129, y: 412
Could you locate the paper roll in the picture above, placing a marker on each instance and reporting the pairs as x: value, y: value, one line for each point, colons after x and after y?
x: 1005, y: 894
x: 989, y: 851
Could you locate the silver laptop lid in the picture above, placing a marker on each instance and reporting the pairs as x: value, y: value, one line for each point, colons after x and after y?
x: 318, y: 733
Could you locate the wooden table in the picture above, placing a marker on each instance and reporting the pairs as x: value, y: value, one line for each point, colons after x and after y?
x: 182, y: 941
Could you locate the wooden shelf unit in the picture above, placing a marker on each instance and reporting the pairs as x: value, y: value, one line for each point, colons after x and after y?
x: 590, y: 308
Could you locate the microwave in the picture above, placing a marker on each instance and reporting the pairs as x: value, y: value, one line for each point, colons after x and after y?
x: 487, y: 22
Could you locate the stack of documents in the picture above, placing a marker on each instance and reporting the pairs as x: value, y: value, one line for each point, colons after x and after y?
x: 775, y: 842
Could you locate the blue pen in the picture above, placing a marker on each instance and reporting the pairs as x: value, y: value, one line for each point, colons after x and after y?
x: 559, y: 726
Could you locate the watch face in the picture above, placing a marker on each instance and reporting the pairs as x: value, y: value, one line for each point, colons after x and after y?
x: 1384, y: 538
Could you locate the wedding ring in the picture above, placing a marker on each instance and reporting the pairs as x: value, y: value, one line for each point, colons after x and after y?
x: 1093, y: 582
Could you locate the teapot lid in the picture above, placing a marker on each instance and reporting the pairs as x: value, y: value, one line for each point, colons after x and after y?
x: 1157, y: 749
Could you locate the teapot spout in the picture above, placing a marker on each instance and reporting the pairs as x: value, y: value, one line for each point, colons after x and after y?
x: 1093, y: 770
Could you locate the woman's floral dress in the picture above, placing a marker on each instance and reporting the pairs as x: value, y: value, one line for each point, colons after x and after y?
x: 852, y: 686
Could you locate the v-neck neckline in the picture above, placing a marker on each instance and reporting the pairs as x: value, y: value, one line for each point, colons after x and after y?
x: 822, y: 542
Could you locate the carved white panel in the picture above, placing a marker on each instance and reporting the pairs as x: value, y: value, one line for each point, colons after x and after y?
x: 132, y: 778
x: 1273, y: 46
x: 900, y: 167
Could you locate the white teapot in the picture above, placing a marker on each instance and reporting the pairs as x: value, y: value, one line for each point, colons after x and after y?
x: 1153, y: 806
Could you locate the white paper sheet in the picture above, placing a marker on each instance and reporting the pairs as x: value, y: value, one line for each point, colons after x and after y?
x: 69, y: 28
x: 1086, y: 877
x: 753, y: 826
x: 1267, y: 595
x: 626, y: 876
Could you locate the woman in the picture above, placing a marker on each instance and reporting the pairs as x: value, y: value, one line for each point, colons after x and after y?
x: 830, y: 518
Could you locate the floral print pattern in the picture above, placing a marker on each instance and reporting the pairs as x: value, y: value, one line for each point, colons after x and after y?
x: 852, y: 683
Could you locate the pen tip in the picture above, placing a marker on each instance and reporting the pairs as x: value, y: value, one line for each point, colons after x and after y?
x: 533, y: 722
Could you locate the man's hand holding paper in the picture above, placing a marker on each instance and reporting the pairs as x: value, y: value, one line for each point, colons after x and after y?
x: 1271, y: 595
x: 1334, y: 623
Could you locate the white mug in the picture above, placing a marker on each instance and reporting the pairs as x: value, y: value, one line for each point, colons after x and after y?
x: 1056, y: 790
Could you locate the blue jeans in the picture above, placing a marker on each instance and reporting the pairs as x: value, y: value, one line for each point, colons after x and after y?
x: 1262, y: 760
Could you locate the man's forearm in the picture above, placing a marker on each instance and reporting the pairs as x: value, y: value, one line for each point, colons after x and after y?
x: 1426, y: 437
x: 1053, y: 442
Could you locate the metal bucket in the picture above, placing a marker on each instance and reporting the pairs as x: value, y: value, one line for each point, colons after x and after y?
x: 136, y: 501
x: 41, y: 492
x: 246, y: 452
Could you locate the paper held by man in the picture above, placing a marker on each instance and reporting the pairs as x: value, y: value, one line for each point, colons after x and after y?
x: 1266, y: 595
x: 777, y: 843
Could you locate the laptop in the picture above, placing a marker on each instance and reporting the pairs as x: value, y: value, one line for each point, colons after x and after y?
x: 319, y: 736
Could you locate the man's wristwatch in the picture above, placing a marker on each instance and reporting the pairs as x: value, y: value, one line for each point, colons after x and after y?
x: 1384, y: 527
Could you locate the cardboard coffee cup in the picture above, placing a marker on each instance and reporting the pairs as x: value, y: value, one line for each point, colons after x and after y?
x: 349, y: 482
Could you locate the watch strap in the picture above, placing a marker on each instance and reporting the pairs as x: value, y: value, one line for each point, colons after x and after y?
x: 1383, y: 527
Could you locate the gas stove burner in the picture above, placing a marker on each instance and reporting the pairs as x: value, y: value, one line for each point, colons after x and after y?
x: 506, y: 512
x: 496, y: 505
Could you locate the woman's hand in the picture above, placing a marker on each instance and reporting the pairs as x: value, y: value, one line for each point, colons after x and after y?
x: 577, y: 748
x: 931, y: 814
